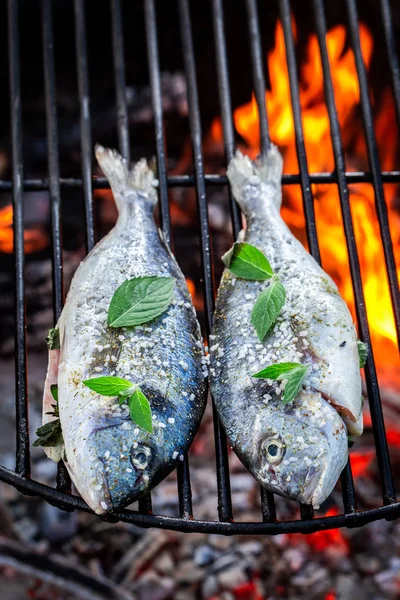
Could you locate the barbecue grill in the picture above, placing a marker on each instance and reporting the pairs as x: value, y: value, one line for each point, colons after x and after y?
x: 61, y: 494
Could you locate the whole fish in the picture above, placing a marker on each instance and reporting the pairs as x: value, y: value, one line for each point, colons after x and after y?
x: 299, y: 449
x: 112, y: 462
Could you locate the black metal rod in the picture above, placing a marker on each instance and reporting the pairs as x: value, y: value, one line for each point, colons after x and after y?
x: 258, y: 72
x: 119, y: 76
x: 99, y: 183
x: 388, y: 491
x: 63, y: 479
x: 268, y: 509
x: 356, y: 519
x: 225, y: 102
x: 224, y: 496
x: 308, y: 201
x: 23, y: 467
x: 267, y: 499
x: 393, y: 58
x: 373, y: 158
x: 84, y: 104
x: 184, y: 490
x: 145, y: 505
x: 156, y: 97
x: 348, y: 490
x: 311, y: 229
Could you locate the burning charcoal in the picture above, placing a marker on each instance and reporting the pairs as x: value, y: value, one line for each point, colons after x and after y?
x: 295, y: 559
x: 164, y: 563
x: 389, y: 580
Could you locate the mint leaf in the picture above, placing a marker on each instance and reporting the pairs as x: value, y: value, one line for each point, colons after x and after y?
x: 294, y: 373
x: 49, y: 435
x: 295, y: 380
x: 140, y: 300
x: 267, y: 308
x: 53, y: 339
x: 362, y: 353
x: 108, y: 386
x: 247, y: 262
x: 140, y: 411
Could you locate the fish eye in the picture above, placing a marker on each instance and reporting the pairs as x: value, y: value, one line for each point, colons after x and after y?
x: 274, y: 450
x: 141, y: 457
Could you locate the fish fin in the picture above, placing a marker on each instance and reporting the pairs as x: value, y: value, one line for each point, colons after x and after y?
x: 123, y: 178
x: 246, y: 176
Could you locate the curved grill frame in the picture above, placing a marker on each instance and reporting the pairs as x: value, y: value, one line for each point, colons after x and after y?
x: 61, y: 496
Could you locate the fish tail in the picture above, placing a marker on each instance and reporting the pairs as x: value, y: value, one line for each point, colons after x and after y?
x: 123, y: 178
x: 246, y: 175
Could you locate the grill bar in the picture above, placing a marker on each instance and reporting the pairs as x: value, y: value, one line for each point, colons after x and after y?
x: 393, y: 58
x: 267, y: 499
x: 61, y: 496
x: 224, y: 497
x: 225, y: 102
x: 154, y: 69
x: 63, y: 479
x: 86, y: 135
x: 100, y: 183
x: 184, y: 489
x: 373, y: 157
x: 119, y: 75
x: 23, y: 446
x: 388, y: 492
x: 308, y: 201
x: 258, y: 72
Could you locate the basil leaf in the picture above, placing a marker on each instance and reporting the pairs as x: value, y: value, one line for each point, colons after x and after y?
x: 140, y: 411
x: 247, y: 262
x: 293, y: 372
x: 140, y: 300
x: 53, y: 339
x: 362, y: 353
x: 267, y: 307
x: 49, y: 435
x: 107, y: 386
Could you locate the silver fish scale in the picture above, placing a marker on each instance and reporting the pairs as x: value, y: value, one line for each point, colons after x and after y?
x: 310, y: 330
x: 110, y: 459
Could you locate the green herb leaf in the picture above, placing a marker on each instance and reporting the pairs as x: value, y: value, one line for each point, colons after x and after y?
x: 54, y: 392
x: 362, y: 353
x: 53, y: 339
x: 108, y: 386
x: 247, y: 262
x: 268, y: 306
x: 49, y: 435
x: 293, y: 372
x: 140, y: 411
x: 140, y: 300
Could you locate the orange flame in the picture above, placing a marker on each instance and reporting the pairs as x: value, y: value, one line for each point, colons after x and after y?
x: 35, y: 240
x: 320, y: 159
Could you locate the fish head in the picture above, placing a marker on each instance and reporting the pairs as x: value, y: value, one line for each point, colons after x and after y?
x: 301, y: 448
x: 118, y: 462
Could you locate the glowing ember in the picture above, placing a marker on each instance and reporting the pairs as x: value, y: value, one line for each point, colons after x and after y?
x: 35, y: 239
x: 320, y: 159
x: 360, y: 462
x: 322, y: 540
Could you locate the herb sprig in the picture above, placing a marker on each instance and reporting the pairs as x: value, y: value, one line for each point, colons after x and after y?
x: 293, y: 373
x: 138, y: 404
x: 50, y: 434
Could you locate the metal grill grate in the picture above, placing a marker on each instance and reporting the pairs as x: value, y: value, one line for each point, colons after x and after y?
x: 61, y: 496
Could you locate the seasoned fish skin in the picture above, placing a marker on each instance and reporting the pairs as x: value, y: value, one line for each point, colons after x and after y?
x: 314, y: 328
x: 111, y: 461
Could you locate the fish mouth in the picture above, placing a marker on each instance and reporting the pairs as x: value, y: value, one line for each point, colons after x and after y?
x: 314, y: 493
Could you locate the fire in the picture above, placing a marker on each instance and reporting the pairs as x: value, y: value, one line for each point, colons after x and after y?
x: 322, y: 540
x: 320, y: 159
x: 35, y: 240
